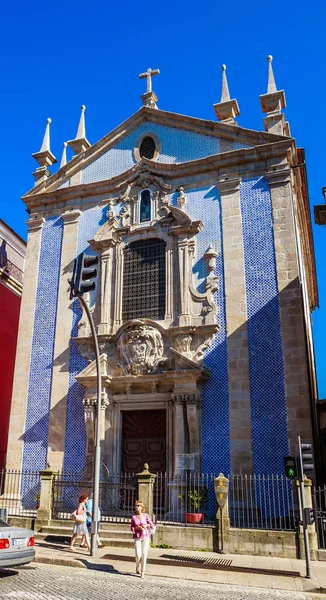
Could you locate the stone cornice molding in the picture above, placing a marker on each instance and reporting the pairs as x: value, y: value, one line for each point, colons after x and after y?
x: 278, y: 176
x: 35, y: 224
x: 228, y: 184
x: 174, y: 173
x: 71, y: 216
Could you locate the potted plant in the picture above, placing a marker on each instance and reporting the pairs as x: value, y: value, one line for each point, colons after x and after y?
x: 195, y: 502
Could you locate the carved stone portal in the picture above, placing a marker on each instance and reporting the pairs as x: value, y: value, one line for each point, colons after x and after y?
x: 140, y: 348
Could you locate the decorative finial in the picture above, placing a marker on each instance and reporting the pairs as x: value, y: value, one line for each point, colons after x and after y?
x: 149, y: 98
x: 80, y: 143
x: 44, y: 157
x: 227, y: 109
x: 64, y: 155
x: 225, y: 95
x: 272, y: 103
x: 271, y: 85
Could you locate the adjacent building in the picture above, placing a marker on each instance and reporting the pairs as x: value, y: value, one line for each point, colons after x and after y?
x: 12, y: 260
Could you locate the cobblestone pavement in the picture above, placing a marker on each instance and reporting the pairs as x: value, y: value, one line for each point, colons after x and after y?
x: 42, y: 582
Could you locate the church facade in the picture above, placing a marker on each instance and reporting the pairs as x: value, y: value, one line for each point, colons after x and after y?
x: 206, y: 281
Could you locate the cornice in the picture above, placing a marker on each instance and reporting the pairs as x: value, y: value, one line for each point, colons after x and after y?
x: 35, y: 223
x: 171, y: 173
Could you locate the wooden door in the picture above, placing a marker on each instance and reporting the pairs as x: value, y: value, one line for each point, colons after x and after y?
x: 143, y: 440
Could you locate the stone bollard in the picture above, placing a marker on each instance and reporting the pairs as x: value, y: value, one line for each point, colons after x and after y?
x: 145, y: 489
x: 44, y: 512
x: 313, y: 541
x: 221, y: 488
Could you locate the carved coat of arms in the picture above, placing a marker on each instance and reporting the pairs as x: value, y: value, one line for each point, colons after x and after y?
x: 140, y: 348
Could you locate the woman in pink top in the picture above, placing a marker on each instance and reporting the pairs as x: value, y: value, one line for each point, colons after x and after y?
x: 141, y: 527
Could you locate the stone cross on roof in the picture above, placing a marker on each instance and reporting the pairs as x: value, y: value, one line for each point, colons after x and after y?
x: 149, y: 74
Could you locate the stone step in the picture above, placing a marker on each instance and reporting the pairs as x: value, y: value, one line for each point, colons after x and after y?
x: 119, y: 543
x: 104, y: 525
x: 67, y: 532
x: 64, y: 539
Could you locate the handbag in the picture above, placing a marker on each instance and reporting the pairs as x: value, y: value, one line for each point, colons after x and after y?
x: 78, y: 518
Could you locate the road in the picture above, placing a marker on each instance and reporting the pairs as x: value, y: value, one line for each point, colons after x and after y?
x: 43, y: 582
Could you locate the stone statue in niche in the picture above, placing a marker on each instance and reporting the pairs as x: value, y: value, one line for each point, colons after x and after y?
x: 145, y: 206
x: 110, y: 211
x: 182, y: 198
x: 140, y: 348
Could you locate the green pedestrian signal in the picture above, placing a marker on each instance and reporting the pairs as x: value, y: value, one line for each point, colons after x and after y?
x: 290, y: 464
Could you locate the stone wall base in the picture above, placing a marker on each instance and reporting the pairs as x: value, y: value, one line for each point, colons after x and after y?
x: 257, y: 542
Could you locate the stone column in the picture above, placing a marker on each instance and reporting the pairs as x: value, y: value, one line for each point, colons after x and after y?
x: 193, y: 418
x: 312, y: 533
x: 44, y: 512
x: 145, y: 489
x: 295, y: 358
x: 236, y: 325
x: 106, y: 291
x: 61, y: 357
x: 179, y: 433
x: 183, y: 318
x: 24, y: 345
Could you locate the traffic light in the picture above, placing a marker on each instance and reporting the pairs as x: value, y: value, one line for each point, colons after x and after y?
x: 85, y: 273
x: 290, y: 464
x: 308, y: 515
x: 306, y: 458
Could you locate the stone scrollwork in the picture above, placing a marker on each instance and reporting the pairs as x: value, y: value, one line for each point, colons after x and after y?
x: 200, y: 352
x: 140, y: 348
x: 183, y: 344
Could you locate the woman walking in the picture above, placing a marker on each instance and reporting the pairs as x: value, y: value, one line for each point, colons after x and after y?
x: 80, y: 527
x: 142, y: 527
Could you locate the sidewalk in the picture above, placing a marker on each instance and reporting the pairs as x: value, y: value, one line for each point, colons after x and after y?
x: 253, y: 571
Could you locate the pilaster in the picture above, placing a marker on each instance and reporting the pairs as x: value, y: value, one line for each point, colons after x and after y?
x: 60, y: 379
x: 24, y: 345
x: 291, y: 308
x: 236, y: 325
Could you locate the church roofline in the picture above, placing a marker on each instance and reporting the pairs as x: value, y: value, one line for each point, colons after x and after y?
x: 201, y: 126
x: 173, y: 173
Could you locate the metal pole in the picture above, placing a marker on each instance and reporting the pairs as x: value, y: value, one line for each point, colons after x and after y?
x: 304, y: 524
x: 222, y: 532
x: 97, y: 459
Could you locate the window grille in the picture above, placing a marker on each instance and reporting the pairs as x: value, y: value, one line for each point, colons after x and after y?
x: 147, y: 147
x: 144, y: 280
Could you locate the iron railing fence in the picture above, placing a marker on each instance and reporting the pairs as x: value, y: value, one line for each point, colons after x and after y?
x: 185, y: 498
x: 255, y: 501
x: 20, y: 492
x: 118, y: 494
x: 319, y: 503
x: 263, y: 502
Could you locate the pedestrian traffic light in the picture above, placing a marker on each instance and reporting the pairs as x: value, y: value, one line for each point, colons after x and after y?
x: 308, y: 515
x: 305, y: 458
x: 290, y: 464
x: 85, y: 273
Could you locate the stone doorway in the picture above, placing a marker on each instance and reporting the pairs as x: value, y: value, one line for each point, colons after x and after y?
x: 143, y: 441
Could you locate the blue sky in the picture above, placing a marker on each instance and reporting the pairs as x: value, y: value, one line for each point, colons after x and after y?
x: 54, y: 58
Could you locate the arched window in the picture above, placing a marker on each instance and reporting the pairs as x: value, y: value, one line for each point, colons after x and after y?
x: 145, y: 206
x: 147, y: 148
x: 143, y: 293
